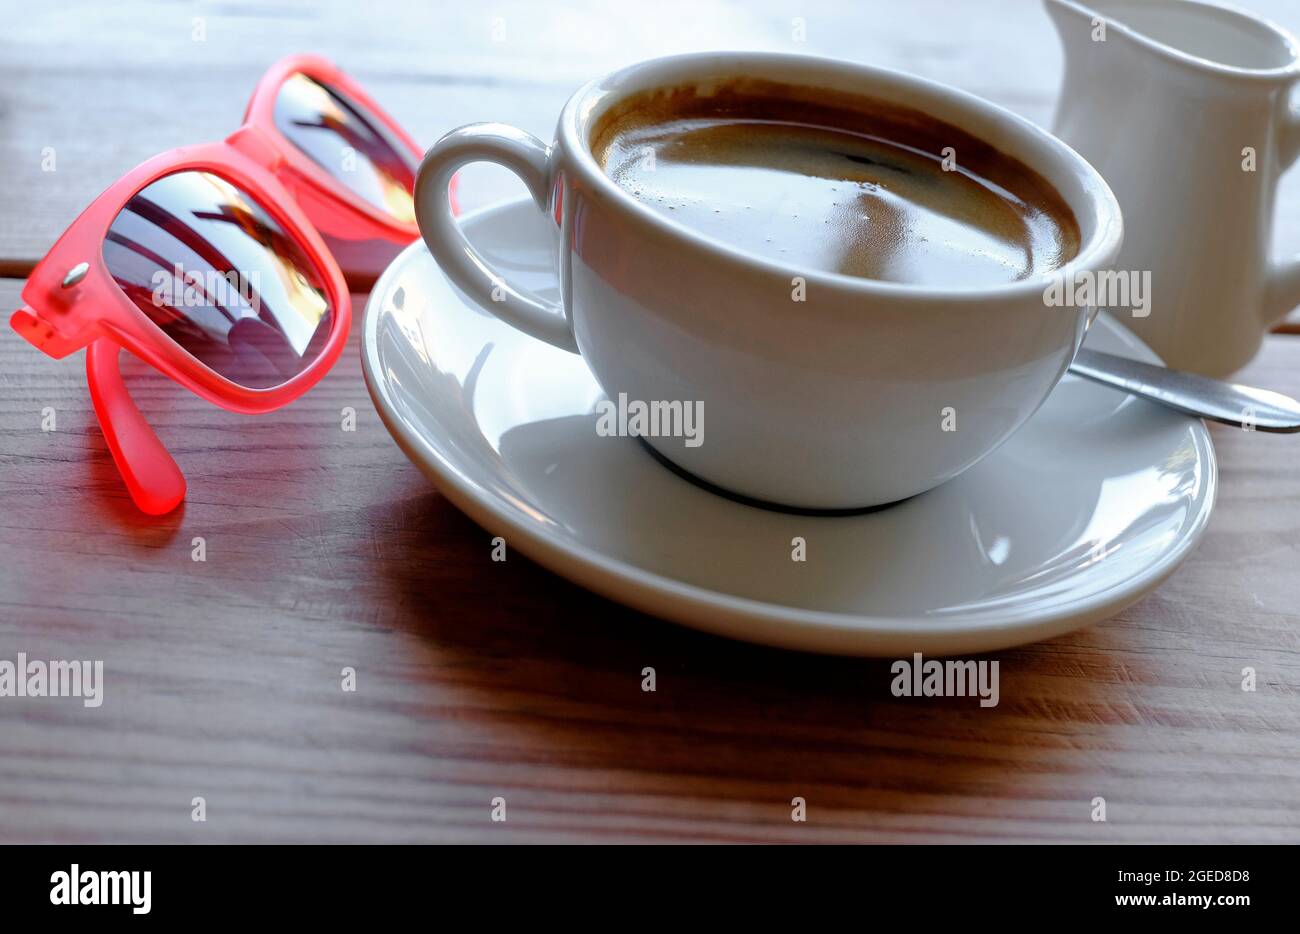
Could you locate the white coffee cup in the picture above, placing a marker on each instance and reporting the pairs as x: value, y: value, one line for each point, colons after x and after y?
x: 864, y: 393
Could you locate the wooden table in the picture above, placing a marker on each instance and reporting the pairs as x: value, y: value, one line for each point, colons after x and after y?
x: 476, y: 679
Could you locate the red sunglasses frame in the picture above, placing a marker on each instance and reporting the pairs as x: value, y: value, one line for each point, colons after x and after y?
x: 68, y: 307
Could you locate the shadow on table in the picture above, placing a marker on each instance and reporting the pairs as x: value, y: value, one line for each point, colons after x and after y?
x: 562, y: 670
x: 105, y: 493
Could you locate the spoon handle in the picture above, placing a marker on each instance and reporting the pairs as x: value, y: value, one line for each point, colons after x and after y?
x: 1243, y: 406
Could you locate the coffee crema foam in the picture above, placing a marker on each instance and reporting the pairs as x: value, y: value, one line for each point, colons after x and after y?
x: 837, y: 183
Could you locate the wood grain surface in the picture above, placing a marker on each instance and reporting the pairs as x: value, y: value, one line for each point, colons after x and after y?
x: 476, y: 679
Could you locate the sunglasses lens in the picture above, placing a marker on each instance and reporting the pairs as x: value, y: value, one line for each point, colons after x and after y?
x: 213, y: 269
x: 349, y: 142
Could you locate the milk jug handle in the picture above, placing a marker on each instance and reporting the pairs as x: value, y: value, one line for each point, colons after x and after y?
x: 1282, y: 291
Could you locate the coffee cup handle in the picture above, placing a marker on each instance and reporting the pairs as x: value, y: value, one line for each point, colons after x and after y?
x: 530, y: 159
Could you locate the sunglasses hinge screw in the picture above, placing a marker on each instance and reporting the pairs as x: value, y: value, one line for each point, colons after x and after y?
x: 75, y: 275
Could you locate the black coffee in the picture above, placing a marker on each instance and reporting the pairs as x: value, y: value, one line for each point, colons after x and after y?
x: 839, y: 184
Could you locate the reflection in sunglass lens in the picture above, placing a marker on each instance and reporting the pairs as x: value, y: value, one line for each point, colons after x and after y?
x: 348, y: 142
x: 214, y: 270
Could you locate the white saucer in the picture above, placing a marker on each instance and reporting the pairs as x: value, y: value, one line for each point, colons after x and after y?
x: 1087, y: 508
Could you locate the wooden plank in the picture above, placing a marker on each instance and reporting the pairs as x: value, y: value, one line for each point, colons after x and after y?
x: 86, y: 84
x: 327, y: 549
x: 88, y: 155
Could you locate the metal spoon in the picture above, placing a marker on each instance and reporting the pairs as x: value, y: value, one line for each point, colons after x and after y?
x: 1243, y: 406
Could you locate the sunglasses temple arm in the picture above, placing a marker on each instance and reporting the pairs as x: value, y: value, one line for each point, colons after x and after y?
x: 151, y: 475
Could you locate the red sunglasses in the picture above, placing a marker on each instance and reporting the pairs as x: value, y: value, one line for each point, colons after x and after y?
x: 208, y: 262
